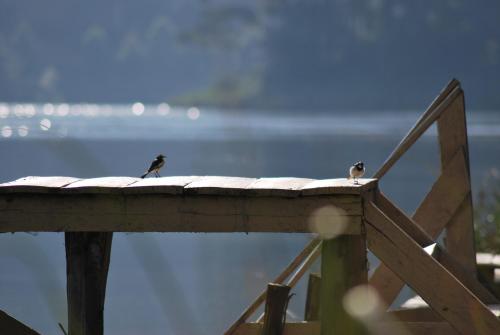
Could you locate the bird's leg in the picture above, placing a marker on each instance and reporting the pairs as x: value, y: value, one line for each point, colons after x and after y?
x: 356, y: 181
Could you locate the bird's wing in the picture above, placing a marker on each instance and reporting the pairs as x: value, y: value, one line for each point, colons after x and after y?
x: 154, y: 165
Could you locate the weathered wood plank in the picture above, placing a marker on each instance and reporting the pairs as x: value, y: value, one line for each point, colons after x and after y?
x: 452, y: 132
x: 416, y: 328
x: 441, y: 255
x: 164, y: 185
x: 312, y: 245
x: 435, y: 211
x: 99, y: 185
x: 343, y: 266
x: 283, y: 187
x: 87, y: 263
x: 35, y: 184
x: 338, y: 186
x: 444, y: 293
x: 275, y: 309
x: 214, y: 185
x: 313, y: 298
x: 291, y: 328
x: 11, y: 326
x: 164, y: 213
x: 428, y: 118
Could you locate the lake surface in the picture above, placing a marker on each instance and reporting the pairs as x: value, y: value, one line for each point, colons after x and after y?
x: 197, y: 283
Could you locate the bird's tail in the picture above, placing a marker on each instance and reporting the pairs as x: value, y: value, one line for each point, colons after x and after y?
x: 144, y: 175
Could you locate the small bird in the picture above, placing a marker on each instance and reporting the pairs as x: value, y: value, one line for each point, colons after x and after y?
x: 156, y: 165
x: 357, y: 170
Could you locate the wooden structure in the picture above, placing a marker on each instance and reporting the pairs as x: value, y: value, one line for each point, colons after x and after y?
x: 349, y: 218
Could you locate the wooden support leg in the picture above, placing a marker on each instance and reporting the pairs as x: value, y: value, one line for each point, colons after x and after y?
x: 87, y: 263
x: 275, y: 310
x: 311, y: 312
x: 343, y: 266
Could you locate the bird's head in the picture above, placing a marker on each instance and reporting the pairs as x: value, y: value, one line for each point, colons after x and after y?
x: 359, y: 165
x: 160, y: 156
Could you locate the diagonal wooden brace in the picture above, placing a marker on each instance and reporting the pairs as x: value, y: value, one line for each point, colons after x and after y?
x: 435, y: 211
x: 433, y: 282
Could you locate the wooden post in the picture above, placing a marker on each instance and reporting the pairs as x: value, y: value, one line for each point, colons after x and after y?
x: 343, y: 266
x: 87, y: 263
x: 452, y: 131
x: 275, y: 310
x: 313, y: 298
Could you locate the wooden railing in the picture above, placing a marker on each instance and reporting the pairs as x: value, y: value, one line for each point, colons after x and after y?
x: 347, y: 218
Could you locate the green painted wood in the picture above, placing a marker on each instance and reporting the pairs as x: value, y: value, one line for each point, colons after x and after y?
x: 343, y: 266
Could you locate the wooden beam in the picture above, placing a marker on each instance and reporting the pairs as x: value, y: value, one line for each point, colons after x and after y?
x: 173, y: 213
x: 87, y: 263
x: 428, y: 118
x: 304, y: 254
x: 313, y: 298
x: 11, y: 326
x: 452, y: 132
x: 441, y: 255
x: 435, y: 211
x: 343, y: 266
x: 438, y: 287
x: 275, y: 309
x: 291, y: 328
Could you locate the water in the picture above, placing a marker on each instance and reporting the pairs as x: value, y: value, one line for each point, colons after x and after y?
x: 196, y: 283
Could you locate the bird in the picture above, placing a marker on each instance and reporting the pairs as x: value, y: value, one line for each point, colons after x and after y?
x: 156, y: 165
x: 357, y: 170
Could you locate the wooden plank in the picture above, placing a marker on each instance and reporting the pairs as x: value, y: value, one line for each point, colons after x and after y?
x: 486, y: 259
x: 452, y: 132
x: 291, y: 328
x: 11, y: 326
x: 416, y: 328
x: 313, y: 298
x: 282, y: 187
x: 422, y: 239
x: 99, y: 185
x: 279, y: 279
x: 214, y: 185
x: 164, y: 185
x: 435, y: 211
x: 419, y: 314
x: 343, y: 266
x: 431, y: 115
x: 338, y: 186
x: 275, y: 309
x: 87, y: 263
x: 163, y: 213
x: 444, y: 293
x: 33, y: 184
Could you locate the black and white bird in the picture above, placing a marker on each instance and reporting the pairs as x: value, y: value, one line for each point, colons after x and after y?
x: 357, y: 170
x: 156, y: 165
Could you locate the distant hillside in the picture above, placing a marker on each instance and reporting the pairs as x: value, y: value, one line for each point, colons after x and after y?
x: 268, y: 54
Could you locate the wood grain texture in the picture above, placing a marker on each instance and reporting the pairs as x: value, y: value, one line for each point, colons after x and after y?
x: 338, y: 186
x: 214, y: 185
x: 87, y: 263
x: 429, y: 117
x: 163, y: 185
x: 164, y: 213
x: 35, y: 184
x: 283, y: 187
x: 452, y: 132
x: 275, y: 309
x: 11, y: 326
x: 380, y: 280
x: 432, y: 215
x: 444, y: 293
